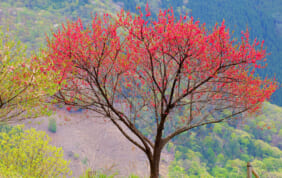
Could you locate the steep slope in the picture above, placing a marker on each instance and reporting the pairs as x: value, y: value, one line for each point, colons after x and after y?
x: 33, y: 20
x: 223, y: 150
x: 91, y: 142
x: 219, y: 150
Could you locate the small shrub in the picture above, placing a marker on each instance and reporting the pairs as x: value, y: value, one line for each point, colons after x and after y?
x: 84, y: 161
x: 52, y: 125
x: 76, y: 156
x: 29, y: 154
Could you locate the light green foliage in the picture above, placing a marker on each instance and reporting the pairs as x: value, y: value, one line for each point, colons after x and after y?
x: 225, y: 150
x: 280, y: 133
x: 170, y: 147
x: 219, y: 171
x: 245, y: 157
x: 217, y: 128
x: 76, y: 156
x: 177, y: 170
x: 33, y: 19
x: 24, y: 88
x: 272, y: 163
x: 28, y: 154
x: 191, y: 166
x: 211, y: 154
x: 267, y: 150
x: 177, y: 155
x: 270, y: 167
x: 236, y: 168
x: 220, y: 159
x: 8, y: 172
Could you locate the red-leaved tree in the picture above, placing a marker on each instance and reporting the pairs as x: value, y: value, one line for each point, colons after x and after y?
x: 165, y: 75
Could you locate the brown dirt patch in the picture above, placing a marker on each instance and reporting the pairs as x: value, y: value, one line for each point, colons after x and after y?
x: 89, y: 141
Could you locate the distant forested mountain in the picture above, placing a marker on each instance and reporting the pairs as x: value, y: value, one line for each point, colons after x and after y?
x: 262, y: 18
x: 34, y: 19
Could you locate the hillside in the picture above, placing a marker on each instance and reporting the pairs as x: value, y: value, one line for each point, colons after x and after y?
x: 33, y: 20
x: 220, y: 150
x: 223, y: 150
x: 89, y: 141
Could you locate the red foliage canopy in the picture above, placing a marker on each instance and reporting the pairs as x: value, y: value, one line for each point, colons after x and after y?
x: 175, y: 58
x: 173, y: 74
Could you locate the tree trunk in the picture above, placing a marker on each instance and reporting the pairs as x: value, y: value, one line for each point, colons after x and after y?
x: 155, y: 164
x: 159, y: 144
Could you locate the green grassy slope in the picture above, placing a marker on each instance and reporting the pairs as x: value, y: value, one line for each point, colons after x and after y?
x: 33, y: 20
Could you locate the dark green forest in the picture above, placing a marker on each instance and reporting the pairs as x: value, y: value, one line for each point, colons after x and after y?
x: 220, y: 150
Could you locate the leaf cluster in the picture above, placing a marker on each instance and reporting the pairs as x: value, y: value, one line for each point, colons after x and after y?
x: 28, y: 153
x: 24, y: 88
